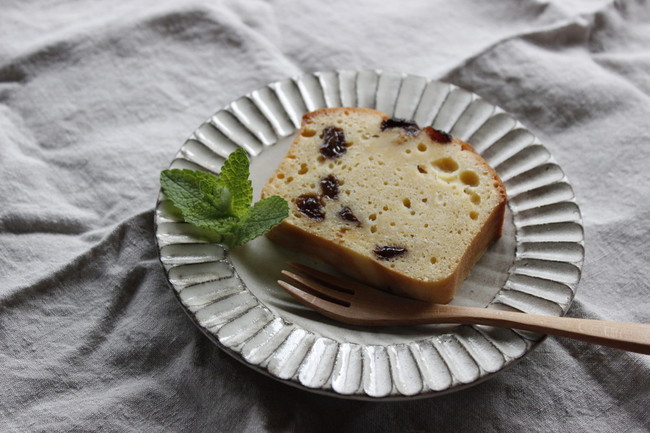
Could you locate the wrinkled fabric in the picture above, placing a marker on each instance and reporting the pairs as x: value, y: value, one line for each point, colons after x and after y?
x: 97, y: 97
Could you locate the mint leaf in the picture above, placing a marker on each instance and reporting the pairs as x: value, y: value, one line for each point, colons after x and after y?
x: 222, y: 203
x: 202, y: 215
x: 261, y: 217
x: 234, y: 176
x: 196, y: 194
x: 184, y: 187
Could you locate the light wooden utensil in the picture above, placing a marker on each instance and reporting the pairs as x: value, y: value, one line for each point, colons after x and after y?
x: 355, y: 303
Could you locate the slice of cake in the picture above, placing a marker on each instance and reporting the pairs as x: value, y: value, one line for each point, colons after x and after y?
x: 401, y: 208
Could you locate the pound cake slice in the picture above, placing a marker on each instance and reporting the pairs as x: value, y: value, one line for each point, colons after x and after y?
x: 401, y: 208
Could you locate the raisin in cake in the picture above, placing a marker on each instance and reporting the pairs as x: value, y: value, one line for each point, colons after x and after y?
x: 405, y: 209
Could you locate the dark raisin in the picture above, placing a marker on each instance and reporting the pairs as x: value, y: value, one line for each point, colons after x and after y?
x: 334, y: 144
x: 329, y: 185
x: 437, y: 135
x: 388, y: 252
x: 409, y: 126
x: 346, y: 214
x: 311, y: 206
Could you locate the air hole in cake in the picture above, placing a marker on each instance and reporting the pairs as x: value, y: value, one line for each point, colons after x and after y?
x: 446, y: 164
x: 407, y: 151
x: 373, y: 229
x: 372, y: 217
x: 422, y: 147
x: 473, y: 214
x: 308, y: 133
x: 280, y: 176
x: 421, y: 169
x: 303, y: 168
x: 407, y: 202
x: 470, y: 178
x: 473, y: 197
x: 289, y: 179
x: 424, y: 200
x: 433, y: 260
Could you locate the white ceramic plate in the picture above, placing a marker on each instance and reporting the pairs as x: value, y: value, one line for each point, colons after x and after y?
x: 233, y: 296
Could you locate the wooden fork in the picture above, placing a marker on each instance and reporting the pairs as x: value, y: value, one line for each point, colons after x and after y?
x: 355, y: 303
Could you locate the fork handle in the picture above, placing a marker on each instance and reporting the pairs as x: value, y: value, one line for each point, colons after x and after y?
x: 634, y: 337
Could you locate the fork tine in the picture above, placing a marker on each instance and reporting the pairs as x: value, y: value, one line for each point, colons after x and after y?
x: 328, y: 293
x: 325, y: 307
x: 344, y: 284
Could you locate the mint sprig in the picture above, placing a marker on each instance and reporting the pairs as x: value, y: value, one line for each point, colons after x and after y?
x: 222, y: 203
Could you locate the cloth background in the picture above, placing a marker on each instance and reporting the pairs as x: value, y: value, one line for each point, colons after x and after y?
x: 97, y: 97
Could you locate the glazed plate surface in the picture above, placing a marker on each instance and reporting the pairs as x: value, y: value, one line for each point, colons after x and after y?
x: 233, y: 297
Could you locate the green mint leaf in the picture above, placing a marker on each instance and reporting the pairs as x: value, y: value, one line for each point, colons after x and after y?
x: 261, y: 217
x: 223, y: 226
x: 198, y: 195
x: 234, y: 176
x: 183, y: 187
x: 222, y: 204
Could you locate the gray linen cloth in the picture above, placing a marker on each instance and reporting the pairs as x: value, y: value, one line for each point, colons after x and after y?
x: 96, y: 98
